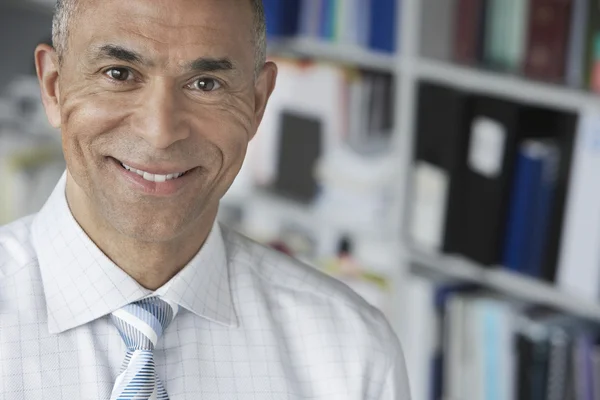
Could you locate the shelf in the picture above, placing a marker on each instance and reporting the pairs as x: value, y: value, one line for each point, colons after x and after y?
x: 305, y: 214
x: 344, y: 54
x: 504, y: 85
x: 509, y: 284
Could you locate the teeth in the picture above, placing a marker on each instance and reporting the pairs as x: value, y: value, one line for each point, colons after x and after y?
x: 152, y: 177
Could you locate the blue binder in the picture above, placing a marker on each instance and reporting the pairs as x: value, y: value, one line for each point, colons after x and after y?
x: 383, y: 25
x: 544, y: 204
x: 282, y: 17
x: 521, y: 214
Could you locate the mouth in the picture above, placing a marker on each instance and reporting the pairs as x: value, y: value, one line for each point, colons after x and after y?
x: 155, y: 180
x: 158, y: 178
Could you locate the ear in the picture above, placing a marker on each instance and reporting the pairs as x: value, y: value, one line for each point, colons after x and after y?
x: 46, y: 64
x: 263, y: 88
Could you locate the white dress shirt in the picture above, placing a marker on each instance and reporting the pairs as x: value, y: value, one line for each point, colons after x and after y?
x: 253, y: 324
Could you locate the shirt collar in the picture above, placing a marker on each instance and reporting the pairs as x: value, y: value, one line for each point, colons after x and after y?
x: 82, y: 284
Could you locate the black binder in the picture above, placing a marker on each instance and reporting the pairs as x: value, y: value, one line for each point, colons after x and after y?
x: 484, y: 210
x: 441, y: 140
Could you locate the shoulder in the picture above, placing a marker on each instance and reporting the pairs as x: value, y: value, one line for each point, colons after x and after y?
x: 16, y: 248
x: 305, y: 288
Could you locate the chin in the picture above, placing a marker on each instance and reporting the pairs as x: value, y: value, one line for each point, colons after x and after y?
x: 152, y: 227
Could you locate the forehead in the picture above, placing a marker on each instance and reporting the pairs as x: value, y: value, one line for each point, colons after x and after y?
x: 168, y: 30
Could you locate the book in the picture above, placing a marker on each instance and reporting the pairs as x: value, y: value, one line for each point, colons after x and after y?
x: 592, y: 61
x: 576, y: 50
x: 583, y: 370
x: 327, y: 21
x: 516, y: 35
x: 420, y: 337
x: 558, y: 365
x: 545, y: 199
x: 531, y: 202
x: 281, y: 17
x: 523, y: 203
x: 469, y: 31
x: 549, y: 27
x: 496, y: 27
x: 384, y: 18
x: 438, y: 43
x: 309, y: 18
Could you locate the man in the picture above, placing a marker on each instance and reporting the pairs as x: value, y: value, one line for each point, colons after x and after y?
x: 123, y: 286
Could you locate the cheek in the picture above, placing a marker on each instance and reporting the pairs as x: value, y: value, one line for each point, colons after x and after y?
x: 86, y: 118
x: 230, y: 132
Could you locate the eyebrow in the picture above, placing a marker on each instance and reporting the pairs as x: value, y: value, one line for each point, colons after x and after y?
x: 122, y: 54
x: 204, y: 64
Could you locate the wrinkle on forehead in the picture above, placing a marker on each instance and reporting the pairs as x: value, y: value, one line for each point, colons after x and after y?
x: 176, y: 37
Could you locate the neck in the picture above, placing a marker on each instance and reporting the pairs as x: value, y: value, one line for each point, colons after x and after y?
x: 150, y: 264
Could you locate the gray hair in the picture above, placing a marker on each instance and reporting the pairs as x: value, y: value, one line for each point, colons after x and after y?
x: 66, y: 9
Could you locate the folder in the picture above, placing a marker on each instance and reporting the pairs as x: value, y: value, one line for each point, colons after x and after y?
x: 440, y: 154
x: 491, y: 158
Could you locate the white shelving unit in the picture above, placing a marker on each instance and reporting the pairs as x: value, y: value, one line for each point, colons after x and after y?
x: 510, y: 86
x: 508, y: 284
x: 409, y: 68
x: 348, y: 55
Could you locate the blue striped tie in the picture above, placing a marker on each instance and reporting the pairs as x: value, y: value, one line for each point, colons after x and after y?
x: 141, y: 324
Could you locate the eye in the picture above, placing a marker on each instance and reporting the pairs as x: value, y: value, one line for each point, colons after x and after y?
x: 119, y: 74
x: 205, y: 85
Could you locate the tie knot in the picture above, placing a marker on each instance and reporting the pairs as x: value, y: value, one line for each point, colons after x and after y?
x: 142, y: 323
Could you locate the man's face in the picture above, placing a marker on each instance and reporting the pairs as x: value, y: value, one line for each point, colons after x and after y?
x: 163, y: 87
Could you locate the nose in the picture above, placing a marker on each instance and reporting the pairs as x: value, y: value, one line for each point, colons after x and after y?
x: 160, y: 120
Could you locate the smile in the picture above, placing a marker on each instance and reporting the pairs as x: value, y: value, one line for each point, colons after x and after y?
x: 154, y: 177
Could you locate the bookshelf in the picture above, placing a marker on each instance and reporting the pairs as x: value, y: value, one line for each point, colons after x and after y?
x: 410, y: 68
x: 508, y: 284
x: 503, y: 85
x: 346, y: 55
x: 308, y: 214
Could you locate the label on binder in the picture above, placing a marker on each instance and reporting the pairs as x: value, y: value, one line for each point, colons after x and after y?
x: 486, y: 150
x: 430, y: 194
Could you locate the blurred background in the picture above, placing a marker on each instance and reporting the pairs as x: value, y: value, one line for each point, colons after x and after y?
x: 440, y: 157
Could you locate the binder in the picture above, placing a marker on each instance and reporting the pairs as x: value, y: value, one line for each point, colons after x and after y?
x: 383, y: 25
x: 491, y: 158
x: 523, y: 204
x: 546, y: 193
x: 281, y: 17
x: 534, y: 185
x: 441, y: 148
x: 299, y: 150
